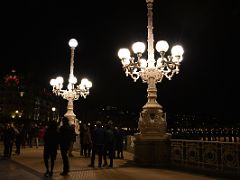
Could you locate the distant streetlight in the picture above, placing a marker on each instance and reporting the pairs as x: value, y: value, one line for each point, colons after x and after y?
x: 73, y: 92
x: 53, y: 112
x: 152, y: 123
x: 53, y: 109
x: 16, y: 114
x: 21, y: 93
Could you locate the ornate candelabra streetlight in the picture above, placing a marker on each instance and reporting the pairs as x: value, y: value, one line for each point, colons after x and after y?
x: 152, y: 123
x: 73, y: 91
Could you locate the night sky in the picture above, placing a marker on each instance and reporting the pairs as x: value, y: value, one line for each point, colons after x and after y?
x: 35, y: 37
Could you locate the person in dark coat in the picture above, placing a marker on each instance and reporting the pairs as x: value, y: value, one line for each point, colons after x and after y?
x: 81, y: 139
x: 87, y: 141
x: 119, y: 142
x: 97, y: 144
x: 8, y: 140
x: 65, y: 133
x: 51, y: 142
x: 74, y: 138
x: 109, y: 144
x: 17, y: 139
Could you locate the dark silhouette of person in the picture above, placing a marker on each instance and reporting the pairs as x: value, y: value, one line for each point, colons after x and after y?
x: 109, y: 144
x: 74, y: 138
x: 81, y: 140
x: 35, y: 134
x: 65, y: 133
x: 24, y: 134
x: 17, y: 139
x: 87, y: 141
x: 51, y: 142
x: 29, y: 135
x: 120, y: 142
x: 8, y: 140
x: 97, y: 144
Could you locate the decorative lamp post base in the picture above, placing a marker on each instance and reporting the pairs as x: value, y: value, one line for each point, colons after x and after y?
x: 152, y: 145
x: 152, y: 124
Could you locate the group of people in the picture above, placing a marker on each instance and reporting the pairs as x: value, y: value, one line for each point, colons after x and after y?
x: 20, y: 135
x: 106, y: 140
x: 87, y: 138
x: 103, y: 141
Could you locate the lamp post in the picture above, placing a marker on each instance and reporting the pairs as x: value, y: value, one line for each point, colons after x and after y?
x: 73, y: 91
x: 152, y: 123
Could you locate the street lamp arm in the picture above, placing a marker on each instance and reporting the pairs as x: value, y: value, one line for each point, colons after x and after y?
x: 132, y: 69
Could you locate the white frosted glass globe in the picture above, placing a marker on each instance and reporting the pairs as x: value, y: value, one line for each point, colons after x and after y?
x: 72, y: 80
x: 84, y: 81
x: 53, y: 82
x: 162, y: 46
x: 138, y: 47
x: 124, y: 53
x: 59, y: 80
x: 89, y: 84
x: 177, y: 50
x: 73, y: 43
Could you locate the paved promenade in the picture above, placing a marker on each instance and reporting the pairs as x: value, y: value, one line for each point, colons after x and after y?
x: 29, y: 166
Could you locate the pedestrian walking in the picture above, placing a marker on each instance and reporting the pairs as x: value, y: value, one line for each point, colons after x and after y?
x: 8, y: 139
x: 119, y: 142
x: 73, y: 140
x: 97, y: 144
x: 109, y: 144
x: 35, y: 134
x: 87, y: 141
x: 51, y: 142
x: 81, y: 139
x: 17, y: 139
x: 65, y: 133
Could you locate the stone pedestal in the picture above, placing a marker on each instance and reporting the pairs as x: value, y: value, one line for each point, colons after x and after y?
x: 152, y: 152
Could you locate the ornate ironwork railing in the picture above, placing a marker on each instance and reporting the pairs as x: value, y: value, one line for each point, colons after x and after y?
x: 210, y: 156
x: 206, y: 155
